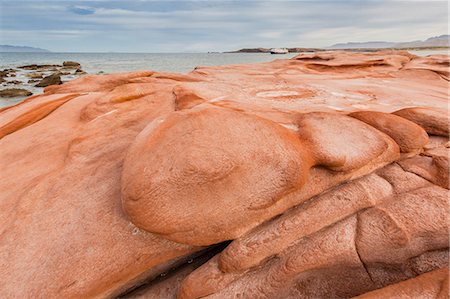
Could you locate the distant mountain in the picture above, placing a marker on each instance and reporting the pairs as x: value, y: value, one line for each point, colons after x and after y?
x: 437, y: 41
x: 372, y: 45
x: 9, y: 48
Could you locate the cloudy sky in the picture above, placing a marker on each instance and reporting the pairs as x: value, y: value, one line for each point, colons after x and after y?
x: 198, y: 26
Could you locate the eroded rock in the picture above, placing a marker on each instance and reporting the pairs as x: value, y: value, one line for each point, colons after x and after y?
x: 429, y: 285
x: 408, y: 135
x: 434, y: 121
x: 243, y: 153
x: 115, y: 184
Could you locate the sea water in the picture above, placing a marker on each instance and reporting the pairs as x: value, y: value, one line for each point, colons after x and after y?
x: 95, y: 63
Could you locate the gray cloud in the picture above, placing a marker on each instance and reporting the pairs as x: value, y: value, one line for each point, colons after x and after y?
x: 174, y: 26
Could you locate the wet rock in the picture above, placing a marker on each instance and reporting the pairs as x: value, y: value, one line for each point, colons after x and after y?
x: 71, y: 64
x: 14, y: 92
x: 15, y: 82
x: 53, y: 79
x: 79, y: 72
x: 7, y: 72
x: 34, y: 75
x: 43, y: 67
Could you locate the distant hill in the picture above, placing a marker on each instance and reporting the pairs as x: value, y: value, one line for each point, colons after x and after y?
x: 9, y: 48
x: 437, y: 41
x: 267, y: 50
x: 251, y: 50
x: 356, y: 45
x: 442, y: 41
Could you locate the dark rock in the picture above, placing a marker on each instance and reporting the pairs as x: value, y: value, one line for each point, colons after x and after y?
x: 39, y: 67
x: 71, y: 64
x: 7, y: 72
x: 33, y: 81
x: 79, y: 72
x: 53, y: 79
x: 13, y: 82
x: 251, y: 50
x: 14, y: 92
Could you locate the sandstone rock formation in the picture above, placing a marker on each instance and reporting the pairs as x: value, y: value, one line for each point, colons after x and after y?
x: 322, y: 176
x: 430, y: 285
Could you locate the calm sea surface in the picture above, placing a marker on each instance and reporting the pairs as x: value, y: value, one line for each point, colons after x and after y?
x: 125, y: 62
x: 93, y: 63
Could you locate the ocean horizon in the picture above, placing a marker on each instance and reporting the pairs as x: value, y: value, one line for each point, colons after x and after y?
x: 109, y: 62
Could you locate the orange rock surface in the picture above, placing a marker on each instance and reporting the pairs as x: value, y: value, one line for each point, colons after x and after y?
x: 321, y: 176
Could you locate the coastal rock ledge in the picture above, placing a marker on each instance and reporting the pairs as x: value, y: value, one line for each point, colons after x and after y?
x: 321, y: 176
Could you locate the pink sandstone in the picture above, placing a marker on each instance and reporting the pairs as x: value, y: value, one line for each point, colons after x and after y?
x: 321, y: 176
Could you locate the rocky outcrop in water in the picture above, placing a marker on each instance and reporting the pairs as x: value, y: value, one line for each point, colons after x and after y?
x: 53, y: 79
x: 40, y: 67
x: 38, y: 75
x: 322, y: 176
x: 71, y: 64
x: 14, y: 92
